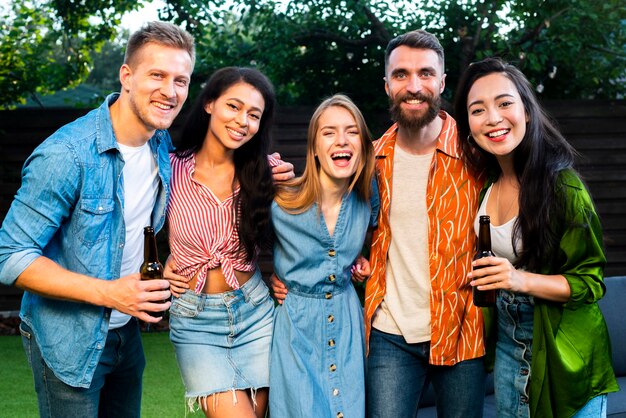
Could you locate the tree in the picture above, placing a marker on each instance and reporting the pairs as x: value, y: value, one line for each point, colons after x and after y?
x: 105, y: 62
x: 46, y: 46
x: 314, y: 48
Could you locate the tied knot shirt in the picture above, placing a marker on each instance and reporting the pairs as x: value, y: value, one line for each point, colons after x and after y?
x: 202, y: 228
x: 451, y: 205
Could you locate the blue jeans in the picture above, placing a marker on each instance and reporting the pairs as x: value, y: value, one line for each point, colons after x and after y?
x: 595, y: 408
x: 398, y: 373
x: 115, y: 390
x: 514, y: 358
x: 513, y: 354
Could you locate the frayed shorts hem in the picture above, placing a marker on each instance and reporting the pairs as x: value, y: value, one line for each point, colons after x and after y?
x: 201, y: 400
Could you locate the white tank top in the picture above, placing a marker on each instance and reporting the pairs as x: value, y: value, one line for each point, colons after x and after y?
x: 501, y: 243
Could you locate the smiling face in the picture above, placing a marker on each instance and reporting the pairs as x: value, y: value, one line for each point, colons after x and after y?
x: 235, y: 115
x: 157, y: 84
x: 414, y: 82
x: 496, y: 115
x: 337, y: 145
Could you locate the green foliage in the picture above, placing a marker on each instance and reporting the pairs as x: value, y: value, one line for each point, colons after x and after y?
x: 574, y: 49
x: 105, y: 62
x: 45, y: 46
x: 314, y: 48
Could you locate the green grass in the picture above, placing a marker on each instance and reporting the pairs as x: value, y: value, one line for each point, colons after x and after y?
x: 17, y: 399
x: 163, y: 392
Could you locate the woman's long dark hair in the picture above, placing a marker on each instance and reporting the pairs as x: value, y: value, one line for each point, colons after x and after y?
x: 251, y: 166
x: 537, y: 161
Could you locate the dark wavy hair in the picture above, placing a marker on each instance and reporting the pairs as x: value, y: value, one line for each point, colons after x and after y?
x: 252, y: 169
x: 539, y: 158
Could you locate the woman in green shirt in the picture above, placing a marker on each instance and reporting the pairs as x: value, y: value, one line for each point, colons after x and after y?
x: 552, y: 350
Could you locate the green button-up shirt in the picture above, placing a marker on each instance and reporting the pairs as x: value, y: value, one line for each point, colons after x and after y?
x: 571, y: 351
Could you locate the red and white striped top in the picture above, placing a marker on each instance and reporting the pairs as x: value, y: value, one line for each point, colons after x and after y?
x: 202, y: 231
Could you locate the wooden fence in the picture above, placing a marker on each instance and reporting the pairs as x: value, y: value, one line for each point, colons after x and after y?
x: 597, y: 129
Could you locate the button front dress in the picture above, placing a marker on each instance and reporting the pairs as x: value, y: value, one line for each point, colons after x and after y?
x: 318, y: 351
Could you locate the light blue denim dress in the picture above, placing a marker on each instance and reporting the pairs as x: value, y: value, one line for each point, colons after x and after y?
x: 317, y: 358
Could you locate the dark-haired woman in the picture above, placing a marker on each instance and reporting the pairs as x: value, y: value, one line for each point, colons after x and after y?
x: 218, y: 216
x: 553, y: 356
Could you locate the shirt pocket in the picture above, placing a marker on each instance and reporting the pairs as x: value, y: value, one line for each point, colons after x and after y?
x: 94, y: 220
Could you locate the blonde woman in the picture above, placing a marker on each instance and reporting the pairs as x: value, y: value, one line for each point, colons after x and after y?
x: 320, y: 222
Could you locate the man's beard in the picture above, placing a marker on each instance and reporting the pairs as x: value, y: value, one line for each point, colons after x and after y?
x: 413, y: 120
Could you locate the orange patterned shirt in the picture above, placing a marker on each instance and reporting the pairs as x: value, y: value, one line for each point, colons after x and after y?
x: 452, y: 203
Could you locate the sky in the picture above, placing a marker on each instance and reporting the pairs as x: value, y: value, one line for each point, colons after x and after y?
x: 131, y: 21
x: 135, y: 20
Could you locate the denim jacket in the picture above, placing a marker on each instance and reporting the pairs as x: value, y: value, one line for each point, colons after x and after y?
x: 70, y: 209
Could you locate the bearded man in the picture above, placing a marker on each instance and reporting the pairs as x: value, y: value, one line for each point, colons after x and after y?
x: 421, y: 324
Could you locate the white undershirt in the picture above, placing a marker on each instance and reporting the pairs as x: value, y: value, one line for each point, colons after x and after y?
x: 501, y: 243
x: 405, y: 310
x: 140, y: 177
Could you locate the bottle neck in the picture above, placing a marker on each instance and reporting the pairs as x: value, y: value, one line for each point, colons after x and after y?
x: 150, y: 248
x: 484, y: 237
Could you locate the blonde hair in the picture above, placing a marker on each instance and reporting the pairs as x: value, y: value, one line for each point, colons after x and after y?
x: 160, y: 33
x: 299, y: 194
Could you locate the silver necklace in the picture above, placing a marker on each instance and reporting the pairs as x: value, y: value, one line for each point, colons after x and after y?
x: 503, y: 218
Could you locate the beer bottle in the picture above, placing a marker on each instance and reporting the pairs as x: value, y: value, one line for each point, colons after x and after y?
x: 151, y: 267
x: 483, y: 298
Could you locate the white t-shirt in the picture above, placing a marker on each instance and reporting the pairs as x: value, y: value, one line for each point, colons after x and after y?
x: 140, y: 178
x: 405, y: 310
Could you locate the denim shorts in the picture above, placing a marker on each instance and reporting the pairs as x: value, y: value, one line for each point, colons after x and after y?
x: 222, y: 341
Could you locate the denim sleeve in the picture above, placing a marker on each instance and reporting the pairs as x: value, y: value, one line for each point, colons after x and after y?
x: 374, y: 203
x: 45, y: 199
